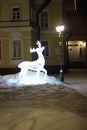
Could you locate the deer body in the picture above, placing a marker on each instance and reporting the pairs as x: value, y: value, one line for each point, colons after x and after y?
x: 37, y: 65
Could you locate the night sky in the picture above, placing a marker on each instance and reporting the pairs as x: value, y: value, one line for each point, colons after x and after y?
x: 81, y: 7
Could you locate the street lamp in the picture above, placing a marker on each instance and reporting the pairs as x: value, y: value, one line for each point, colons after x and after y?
x: 60, y: 30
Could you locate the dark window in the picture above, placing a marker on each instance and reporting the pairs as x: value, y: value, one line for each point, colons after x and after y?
x: 44, y: 19
x: 16, y: 51
x: 15, y: 13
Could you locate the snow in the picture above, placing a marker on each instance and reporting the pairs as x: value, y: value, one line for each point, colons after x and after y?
x: 29, y: 79
x: 80, y: 87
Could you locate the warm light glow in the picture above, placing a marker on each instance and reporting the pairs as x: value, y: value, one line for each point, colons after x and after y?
x: 60, y: 28
x: 75, y: 4
x: 84, y: 44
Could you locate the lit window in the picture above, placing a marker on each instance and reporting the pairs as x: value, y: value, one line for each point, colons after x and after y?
x: 16, y: 49
x: 15, y: 13
x: 44, y: 19
x: 46, y: 50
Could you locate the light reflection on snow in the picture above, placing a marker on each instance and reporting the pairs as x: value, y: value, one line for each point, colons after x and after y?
x: 28, y: 79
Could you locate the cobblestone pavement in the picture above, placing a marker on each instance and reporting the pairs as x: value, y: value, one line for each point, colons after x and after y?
x: 44, y: 107
x: 44, y: 96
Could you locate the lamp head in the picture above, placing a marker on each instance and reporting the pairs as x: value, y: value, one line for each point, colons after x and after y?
x: 60, y: 28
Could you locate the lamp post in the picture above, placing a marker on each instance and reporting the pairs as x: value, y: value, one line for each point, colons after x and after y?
x: 60, y: 30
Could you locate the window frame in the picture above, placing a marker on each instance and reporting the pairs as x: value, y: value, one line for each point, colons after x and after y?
x: 44, y: 20
x: 15, y: 36
x: 15, y: 15
x: 15, y: 49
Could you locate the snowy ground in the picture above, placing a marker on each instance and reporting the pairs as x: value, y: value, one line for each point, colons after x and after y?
x: 71, y: 80
x: 29, y: 79
x: 77, y: 79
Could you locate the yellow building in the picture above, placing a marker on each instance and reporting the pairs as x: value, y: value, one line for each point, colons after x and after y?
x: 22, y: 23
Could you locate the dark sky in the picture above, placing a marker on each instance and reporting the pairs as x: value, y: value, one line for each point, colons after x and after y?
x: 82, y: 7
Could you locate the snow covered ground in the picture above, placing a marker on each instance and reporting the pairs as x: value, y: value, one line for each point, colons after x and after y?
x: 29, y: 79
x: 77, y: 79
x: 80, y: 87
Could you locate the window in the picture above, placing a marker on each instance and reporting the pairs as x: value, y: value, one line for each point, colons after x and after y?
x: 16, y: 44
x: 44, y: 19
x: 16, y: 49
x: 46, y: 50
x: 15, y: 13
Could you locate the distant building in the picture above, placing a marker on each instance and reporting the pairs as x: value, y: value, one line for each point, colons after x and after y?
x: 75, y: 19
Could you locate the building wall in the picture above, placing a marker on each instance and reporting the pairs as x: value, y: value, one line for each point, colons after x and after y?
x: 6, y: 40
x: 55, y: 18
x: 26, y: 29
x: 15, y: 29
x: 7, y: 5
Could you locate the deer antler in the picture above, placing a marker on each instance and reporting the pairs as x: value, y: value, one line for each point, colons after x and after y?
x: 39, y: 44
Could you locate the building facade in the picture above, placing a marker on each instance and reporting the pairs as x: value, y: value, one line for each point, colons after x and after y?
x: 22, y: 23
x: 15, y: 33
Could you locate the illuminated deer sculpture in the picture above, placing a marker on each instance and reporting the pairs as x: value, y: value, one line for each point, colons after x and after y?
x: 37, y: 65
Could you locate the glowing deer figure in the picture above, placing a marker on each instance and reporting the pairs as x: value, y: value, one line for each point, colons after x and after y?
x: 37, y: 65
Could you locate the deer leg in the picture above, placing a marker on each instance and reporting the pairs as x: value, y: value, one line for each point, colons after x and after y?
x: 23, y: 72
x: 45, y: 71
x: 38, y: 73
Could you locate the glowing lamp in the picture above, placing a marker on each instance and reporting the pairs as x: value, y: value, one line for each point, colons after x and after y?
x: 60, y: 28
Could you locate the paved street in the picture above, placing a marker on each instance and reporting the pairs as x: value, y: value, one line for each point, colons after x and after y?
x: 77, y: 78
x: 46, y: 107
